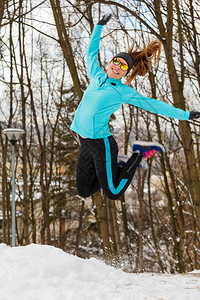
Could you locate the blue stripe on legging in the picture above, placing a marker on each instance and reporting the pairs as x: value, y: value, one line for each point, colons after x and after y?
x: 122, y: 183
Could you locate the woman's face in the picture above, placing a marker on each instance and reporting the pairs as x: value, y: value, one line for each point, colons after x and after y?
x: 115, y: 71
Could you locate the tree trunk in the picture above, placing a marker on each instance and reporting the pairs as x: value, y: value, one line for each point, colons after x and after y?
x: 116, y: 227
x: 152, y: 222
x: 2, y: 7
x: 65, y: 45
x: 44, y: 199
x: 79, y: 228
x: 140, y: 224
x: 102, y: 223
x: 179, y: 246
x: 111, y: 225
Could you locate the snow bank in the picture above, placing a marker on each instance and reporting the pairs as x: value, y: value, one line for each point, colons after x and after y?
x: 45, y: 272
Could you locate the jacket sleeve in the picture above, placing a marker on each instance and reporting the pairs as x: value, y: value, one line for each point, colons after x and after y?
x: 131, y: 96
x: 92, y: 52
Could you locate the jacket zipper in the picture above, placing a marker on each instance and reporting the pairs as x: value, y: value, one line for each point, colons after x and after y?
x: 103, y: 82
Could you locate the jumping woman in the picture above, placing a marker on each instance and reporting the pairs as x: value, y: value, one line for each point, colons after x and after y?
x: 97, y: 165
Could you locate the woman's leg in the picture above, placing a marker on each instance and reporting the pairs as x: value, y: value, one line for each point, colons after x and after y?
x: 86, y: 178
x: 113, y: 180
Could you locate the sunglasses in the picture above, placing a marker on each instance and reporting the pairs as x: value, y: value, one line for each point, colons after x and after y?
x: 116, y: 62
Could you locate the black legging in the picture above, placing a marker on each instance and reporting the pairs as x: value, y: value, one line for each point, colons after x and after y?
x: 97, y: 168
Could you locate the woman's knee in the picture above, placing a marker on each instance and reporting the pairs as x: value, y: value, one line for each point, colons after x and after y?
x: 83, y: 192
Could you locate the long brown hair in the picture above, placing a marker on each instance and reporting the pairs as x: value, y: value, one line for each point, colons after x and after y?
x: 142, y: 59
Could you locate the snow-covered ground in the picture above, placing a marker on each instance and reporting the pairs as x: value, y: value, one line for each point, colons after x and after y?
x: 45, y: 272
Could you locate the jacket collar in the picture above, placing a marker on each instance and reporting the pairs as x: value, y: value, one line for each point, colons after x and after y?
x: 109, y: 79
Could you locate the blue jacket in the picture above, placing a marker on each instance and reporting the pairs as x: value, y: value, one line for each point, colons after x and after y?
x: 105, y: 95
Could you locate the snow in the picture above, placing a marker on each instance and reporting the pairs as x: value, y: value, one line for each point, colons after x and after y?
x: 45, y: 272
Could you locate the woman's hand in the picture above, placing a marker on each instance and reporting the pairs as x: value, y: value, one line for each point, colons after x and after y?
x: 104, y: 20
x: 194, y: 115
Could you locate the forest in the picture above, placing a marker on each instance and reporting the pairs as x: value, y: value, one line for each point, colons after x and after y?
x: 155, y: 226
